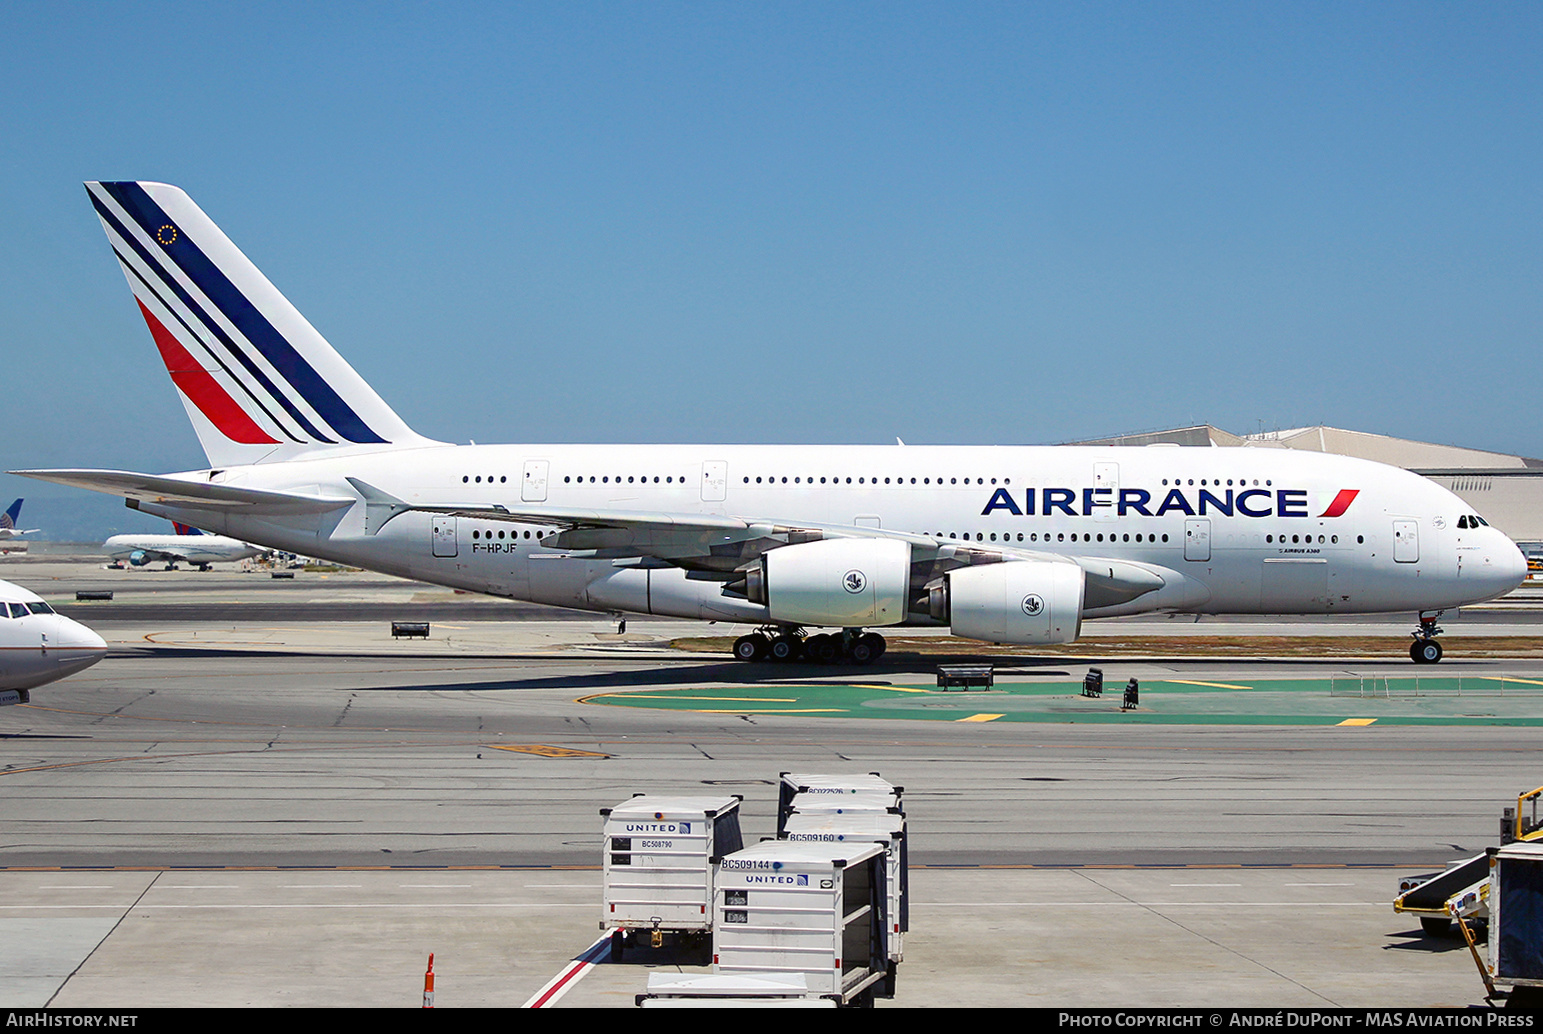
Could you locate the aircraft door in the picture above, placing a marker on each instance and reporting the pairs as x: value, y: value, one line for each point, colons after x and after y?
x: 1197, y: 538
x: 715, y: 481
x: 1106, y: 488
x: 443, y: 536
x: 533, y: 487
x: 1406, y: 542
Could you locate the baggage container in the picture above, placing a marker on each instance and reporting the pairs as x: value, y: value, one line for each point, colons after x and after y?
x: 886, y: 829
x: 657, y: 873
x: 813, y: 908
x: 673, y: 991
x: 1516, y: 916
x: 832, y: 784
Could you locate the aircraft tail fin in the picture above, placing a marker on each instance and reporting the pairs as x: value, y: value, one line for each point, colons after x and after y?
x: 11, y: 515
x: 258, y: 381
x: 185, y: 529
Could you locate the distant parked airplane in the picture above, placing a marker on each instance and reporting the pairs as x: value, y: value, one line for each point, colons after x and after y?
x: 189, y: 546
x: 8, y: 519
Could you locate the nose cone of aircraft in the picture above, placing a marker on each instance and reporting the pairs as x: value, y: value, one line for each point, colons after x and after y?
x: 1502, y: 568
x: 76, y: 646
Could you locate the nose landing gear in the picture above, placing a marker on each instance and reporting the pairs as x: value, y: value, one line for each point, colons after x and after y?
x: 1425, y: 649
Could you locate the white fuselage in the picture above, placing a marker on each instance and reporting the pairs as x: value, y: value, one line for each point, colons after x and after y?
x: 1237, y: 531
x: 37, y: 645
x: 192, y: 549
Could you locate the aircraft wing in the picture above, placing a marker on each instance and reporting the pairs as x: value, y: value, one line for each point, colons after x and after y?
x: 727, y: 544
x: 171, y: 491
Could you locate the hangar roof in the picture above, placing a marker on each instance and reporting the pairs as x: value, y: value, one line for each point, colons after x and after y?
x: 1398, y: 452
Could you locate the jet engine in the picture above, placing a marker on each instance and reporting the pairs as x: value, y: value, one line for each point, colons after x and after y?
x: 853, y: 583
x: 139, y: 558
x: 1019, y: 601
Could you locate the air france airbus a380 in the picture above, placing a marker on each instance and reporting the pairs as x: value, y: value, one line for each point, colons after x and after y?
x: 1000, y: 544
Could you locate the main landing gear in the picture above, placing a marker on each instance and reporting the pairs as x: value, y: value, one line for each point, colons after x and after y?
x: 1425, y: 649
x: 772, y: 643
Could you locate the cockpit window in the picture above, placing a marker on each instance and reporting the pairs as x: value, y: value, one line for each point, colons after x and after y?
x: 18, y: 610
x: 1462, y: 522
x: 40, y: 608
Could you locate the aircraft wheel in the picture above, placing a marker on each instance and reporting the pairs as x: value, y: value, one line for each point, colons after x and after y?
x: 878, y: 643
x: 1425, y: 651
x: 823, y: 648
x: 785, y: 648
x: 750, y: 647
x: 863, y: 650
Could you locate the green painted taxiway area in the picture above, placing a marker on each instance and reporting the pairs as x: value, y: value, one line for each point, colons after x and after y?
x: 1341, y: 701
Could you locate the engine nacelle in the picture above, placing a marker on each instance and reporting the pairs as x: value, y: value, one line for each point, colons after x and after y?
x: 851, y: 583
x: 1019, y: 601
x: 138, y: 558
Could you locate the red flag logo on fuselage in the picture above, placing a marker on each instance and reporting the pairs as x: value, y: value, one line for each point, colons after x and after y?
x: 1341, y: 502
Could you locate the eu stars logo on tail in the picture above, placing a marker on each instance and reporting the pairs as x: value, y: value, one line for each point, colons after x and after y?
x: 258, y: 381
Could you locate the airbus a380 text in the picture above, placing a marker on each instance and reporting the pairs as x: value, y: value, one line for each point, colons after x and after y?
x: 1000, y: 544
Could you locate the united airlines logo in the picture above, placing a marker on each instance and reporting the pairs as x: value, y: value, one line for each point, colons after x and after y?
x: 854, y: 582
x: 1125, y: 502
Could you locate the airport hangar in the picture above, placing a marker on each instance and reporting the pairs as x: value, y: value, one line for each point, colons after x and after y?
x: 1505, y: 490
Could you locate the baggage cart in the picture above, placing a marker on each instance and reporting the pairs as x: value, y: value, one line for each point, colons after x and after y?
x: 886, y: 829
x: 657, y: 865
x: 812, y: 908
x: 832, y: 784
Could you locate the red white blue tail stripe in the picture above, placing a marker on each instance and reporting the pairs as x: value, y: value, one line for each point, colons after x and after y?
x: 258, y: 381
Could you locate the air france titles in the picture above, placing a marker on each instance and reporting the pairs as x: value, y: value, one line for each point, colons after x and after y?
x: 1125, y: 502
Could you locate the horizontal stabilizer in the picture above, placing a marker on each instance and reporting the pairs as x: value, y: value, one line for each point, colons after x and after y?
x: 171, y: 491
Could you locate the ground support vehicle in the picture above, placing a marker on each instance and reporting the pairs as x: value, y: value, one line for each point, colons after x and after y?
x: 1516, y: 925
x: 886, y: 829
x: 830, y: 785
x: 1461, y: 889
x: 657, y: 865
x: 818, y: 909
x: 672, y: 991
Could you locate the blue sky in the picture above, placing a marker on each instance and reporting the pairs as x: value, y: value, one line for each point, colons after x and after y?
x: 994, y: 223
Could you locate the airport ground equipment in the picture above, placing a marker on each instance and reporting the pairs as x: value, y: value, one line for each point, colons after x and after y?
x: 1132, y: 698
x: 886, y: 829
x: 1093, y: 683
x: 409, y: 629
x: 817, y: 909
x: 1522, y: 823
x: 846, y: 804
x: 672, y: 991
x: 829, y: 784
x: 966, y: 676
x: 1516, y: 922
x: 1461, y: 889
x: 1427, y: 894
x: 657, y: 864
x: 92, y: 595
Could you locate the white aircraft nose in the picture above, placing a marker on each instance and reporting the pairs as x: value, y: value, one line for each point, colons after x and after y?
x: 1510, y: 565
x: 76, y: 646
